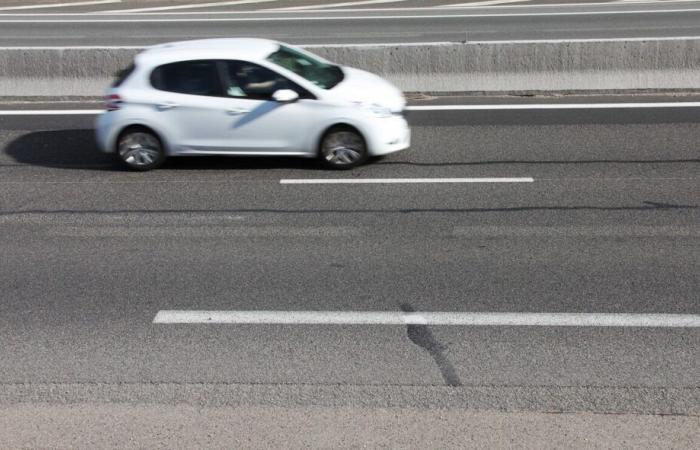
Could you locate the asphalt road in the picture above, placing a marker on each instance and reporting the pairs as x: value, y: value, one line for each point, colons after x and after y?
x: 623, y: 20
x: 186, y: 6
x: 610, y: 224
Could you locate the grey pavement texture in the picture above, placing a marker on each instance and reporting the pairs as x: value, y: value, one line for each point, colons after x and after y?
x: 91, y: 253
x: 149, y: 426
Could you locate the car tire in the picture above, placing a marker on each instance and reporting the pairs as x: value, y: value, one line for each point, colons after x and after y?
x: 140, y: 149
x: 342, y: 148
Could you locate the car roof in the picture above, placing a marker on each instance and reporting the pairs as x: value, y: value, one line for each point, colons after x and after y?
x: 228, y: 48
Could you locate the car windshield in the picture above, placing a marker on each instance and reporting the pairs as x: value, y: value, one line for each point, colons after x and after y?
x: 322, y: 74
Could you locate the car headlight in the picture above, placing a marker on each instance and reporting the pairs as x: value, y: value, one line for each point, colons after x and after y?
x: 375, y: 109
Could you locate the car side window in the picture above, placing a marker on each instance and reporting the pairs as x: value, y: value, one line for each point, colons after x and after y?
x: 248, y: 80
x: 188, y: 77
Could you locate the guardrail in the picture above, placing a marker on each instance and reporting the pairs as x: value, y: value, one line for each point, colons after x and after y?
x: 512, y: 67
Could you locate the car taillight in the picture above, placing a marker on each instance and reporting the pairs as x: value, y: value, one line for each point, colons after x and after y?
x: 113, y: 102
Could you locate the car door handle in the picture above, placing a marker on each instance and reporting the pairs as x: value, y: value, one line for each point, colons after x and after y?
x: 166, y: 105
x: 237, y: 111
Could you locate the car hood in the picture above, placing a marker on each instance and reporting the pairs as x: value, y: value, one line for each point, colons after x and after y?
x: 365, y: 87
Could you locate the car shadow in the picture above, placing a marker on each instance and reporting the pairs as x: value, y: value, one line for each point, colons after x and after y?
x: 76, y: 149
x: 66, y: 149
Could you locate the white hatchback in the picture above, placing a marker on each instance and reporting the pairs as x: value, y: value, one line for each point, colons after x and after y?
x: 250, y: 97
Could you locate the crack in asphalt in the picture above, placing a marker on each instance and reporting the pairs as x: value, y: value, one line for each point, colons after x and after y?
x: 423, y: 337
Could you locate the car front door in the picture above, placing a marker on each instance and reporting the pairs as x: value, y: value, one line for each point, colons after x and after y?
x: 262, y: 125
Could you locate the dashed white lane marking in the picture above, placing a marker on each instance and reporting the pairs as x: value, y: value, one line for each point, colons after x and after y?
x: 334, y: 5
x: 403, y: 180
x: 187, y: 6
x: 427, y: 318
x: 58, y: 5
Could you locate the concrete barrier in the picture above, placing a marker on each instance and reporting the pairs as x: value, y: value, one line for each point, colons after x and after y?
x: 655, y: 64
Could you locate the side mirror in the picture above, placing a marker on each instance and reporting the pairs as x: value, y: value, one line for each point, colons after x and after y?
x: 285, y: 96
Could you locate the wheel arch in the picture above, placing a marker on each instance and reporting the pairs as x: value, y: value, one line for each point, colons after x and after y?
x: 140, y: 126
x: 340, y: 125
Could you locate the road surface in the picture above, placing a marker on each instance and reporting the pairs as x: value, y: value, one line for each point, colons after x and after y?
x: 608, y: 224
x: 373, y: 23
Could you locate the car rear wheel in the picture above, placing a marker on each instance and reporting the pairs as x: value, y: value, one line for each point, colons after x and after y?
x: 343, y: 148
x: 140, y: 149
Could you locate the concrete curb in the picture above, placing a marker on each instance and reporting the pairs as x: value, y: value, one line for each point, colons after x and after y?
x: 657, y: 64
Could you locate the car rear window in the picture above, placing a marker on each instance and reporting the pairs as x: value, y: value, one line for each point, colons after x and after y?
x: 122, y: 75
x: 188, y: 77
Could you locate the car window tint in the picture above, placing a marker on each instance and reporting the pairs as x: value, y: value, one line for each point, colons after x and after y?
x: 248, y: 80
x: 188, y: 77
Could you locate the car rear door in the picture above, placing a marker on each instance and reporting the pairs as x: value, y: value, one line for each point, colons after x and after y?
x: 189, y: 102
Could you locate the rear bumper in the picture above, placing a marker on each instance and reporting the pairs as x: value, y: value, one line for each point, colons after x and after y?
x: 388, y: 135
x: 104, y: 133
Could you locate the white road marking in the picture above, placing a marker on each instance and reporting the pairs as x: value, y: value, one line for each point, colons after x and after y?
x: 333, y: 5
x: 533, y: 106
x: 427, y: 318
x: 403, y: 180
x: 487, y: 3
x: 567, y: 41
x: 188, y: 6
x: 51, y: 112
x: 524, y: 106
x: 397, y: 9
x: 58, y: 5
x: 143, y: 19
x: 76, y: 47
x: 496, y: 107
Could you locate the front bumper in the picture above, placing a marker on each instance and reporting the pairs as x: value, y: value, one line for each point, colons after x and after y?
x: 388, y: 135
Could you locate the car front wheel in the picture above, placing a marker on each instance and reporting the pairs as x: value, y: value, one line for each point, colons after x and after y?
x: 140, y: 149
x: 343, y: 148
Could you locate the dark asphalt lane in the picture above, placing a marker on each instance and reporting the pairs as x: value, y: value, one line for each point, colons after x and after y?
x: 338, y: 27
x: 90, y: 254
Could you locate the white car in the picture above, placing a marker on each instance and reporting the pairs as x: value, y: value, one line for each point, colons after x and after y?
x: 249, y: 97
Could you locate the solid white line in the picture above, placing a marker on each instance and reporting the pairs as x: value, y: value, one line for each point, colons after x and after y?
x: 77, y: 47
x: 426, y: 318
x: 188, y: 6
x: 403, y: 180
x: 415, y: 8
x: 58, y: 5
x: 333, y: 5
x: 363, y: 45
x: 50, y: 112
x: 526, y: 106
x: 567, y: 41
x: 487, y: 3
x: 143, y: 19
